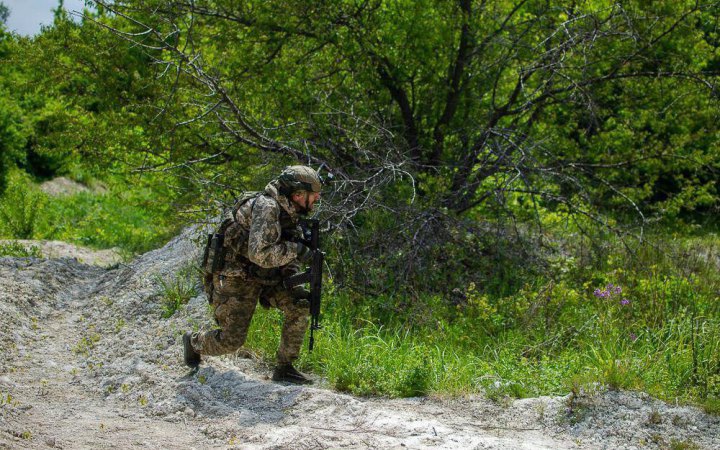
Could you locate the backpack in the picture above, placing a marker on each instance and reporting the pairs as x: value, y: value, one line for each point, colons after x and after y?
x: 227, y: 235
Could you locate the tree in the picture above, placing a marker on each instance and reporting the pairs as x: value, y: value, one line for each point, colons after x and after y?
x: 439, y: 111
x: 4, y: 13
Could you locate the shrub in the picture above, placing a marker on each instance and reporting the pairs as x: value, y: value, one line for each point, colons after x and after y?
x: 176, y: 291
x: 20, y: 207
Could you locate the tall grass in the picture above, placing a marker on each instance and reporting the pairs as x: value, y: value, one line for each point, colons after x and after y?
x: 658, y: 331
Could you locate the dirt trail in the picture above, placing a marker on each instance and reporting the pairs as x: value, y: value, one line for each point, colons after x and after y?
x: 89, y: 363
x: 53, y: 408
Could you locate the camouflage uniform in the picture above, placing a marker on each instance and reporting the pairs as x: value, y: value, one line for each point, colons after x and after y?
x: 259, y: 254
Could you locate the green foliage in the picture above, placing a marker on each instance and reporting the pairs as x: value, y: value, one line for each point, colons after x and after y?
x: 176, y: 291
x: 18, y: 250
x: 7, y: 399
x: 711, y: 406
x: 87, y: 343
x: 13, y: 136
x: 131, y: 219
x: 656, y: 329
x: 683, y: 445
x: 371, y: 361
x: 264, y: 333
x: 21, y: 208
x: 4, y: 13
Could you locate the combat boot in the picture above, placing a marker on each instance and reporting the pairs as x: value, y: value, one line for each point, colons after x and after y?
x: 192, y: 358
x: 286, y: 372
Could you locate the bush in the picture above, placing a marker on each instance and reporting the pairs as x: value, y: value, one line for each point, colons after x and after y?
x: 177, y: 291
x: 21, y: 207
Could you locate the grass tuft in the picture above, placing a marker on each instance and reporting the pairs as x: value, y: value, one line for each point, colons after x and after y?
x: 176, y: 291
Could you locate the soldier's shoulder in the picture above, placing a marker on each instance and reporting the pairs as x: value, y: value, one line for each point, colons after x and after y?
x: 265, y: 202
x: 266, y: 199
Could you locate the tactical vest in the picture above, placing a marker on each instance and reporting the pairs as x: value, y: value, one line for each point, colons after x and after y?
x: 227, y: 246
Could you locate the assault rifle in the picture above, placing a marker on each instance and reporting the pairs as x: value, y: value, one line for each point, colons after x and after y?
x: 313, y: 275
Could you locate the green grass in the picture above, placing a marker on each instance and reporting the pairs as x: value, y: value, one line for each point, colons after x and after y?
x: 176, y: 291
x: 664, y: 340
x: 133, y: 216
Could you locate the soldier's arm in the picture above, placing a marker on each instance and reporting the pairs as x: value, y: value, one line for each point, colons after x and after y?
x: 265, y: 246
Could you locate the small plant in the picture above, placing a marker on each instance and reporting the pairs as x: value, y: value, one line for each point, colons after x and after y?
x: 678, y: 421
x: 504, y: 392
x: 86, y: 344
x: 611, y: 346
x: 580, y: 388
x: 657, y: 439
x: 7, y: 399
x: 176, y: 292
x: 654, y: 418
x: 541, y: 408
x: 18, y: 250
x: 43, y: 390
x: 143, y: 400
x: 415, y: 382
x: 614, y: 308
x: 683, y: 445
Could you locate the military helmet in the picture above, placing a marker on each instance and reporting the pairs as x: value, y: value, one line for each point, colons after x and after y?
x: 299, y: 178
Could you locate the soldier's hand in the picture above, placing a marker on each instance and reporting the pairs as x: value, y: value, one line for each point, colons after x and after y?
x: 299, y: 292
x: 301, y: 297
x: 304, y: 254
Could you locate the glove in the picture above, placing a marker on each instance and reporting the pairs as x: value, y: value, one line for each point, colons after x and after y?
x: 304, y: 254
x: 301, y: 297
x: 299, y: 292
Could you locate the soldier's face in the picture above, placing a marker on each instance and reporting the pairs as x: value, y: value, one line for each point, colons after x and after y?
x: 312, y: 198
x: 306, y: 201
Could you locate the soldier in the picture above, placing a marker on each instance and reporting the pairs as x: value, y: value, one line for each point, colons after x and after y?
x: 260, y: 251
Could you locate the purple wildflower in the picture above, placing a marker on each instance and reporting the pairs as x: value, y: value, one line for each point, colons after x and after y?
x: 624, y: 302
x: 633, y: 337
x: 618, y: 290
